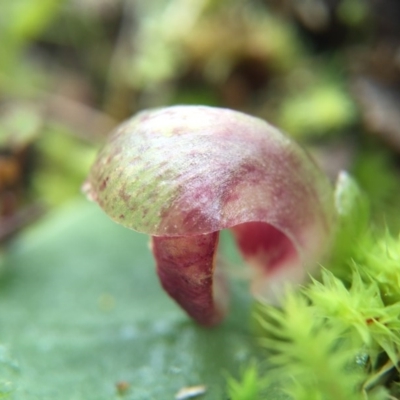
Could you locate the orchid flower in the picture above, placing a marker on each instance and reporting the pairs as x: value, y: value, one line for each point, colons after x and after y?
x: 182, y: 174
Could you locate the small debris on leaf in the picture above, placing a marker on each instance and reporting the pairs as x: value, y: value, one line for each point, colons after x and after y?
x: 190, y: 392
x: 122, y: 387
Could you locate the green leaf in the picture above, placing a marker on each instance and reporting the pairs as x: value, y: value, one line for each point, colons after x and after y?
x: 82, y: 315
x: 353, y: 213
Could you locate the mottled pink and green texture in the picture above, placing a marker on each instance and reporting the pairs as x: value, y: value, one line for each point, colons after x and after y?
x: 181, y: 174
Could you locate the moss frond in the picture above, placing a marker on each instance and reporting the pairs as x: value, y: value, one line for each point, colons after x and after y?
x: 248, y: 387
x: 359, y: 312
x: 379, y: 261
x: 339, y: 337
x: 313, y: 354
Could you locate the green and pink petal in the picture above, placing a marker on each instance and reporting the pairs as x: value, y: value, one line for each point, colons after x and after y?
x: 182, y: 174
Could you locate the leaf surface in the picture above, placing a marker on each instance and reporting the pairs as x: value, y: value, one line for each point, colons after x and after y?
x: 82, y: 312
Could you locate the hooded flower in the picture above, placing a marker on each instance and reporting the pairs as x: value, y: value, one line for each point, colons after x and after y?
x: 182, y: 174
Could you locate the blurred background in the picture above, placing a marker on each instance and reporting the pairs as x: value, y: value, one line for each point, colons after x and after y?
x: 325, y: 71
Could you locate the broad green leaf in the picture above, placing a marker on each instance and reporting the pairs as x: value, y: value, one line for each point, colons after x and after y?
x: 81, y: 310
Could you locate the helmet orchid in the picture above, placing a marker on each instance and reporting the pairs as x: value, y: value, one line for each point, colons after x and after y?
x: 182, y: 174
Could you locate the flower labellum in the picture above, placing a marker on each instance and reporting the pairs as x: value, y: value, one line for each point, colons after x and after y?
x: 182, y: 174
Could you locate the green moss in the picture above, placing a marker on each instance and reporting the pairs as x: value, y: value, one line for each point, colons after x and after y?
x: 339, y: 338
x: 248, y: 387
x: 323, y: 108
